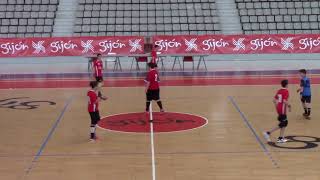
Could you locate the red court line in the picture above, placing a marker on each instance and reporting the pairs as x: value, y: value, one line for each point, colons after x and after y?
x: 133, y: 82
x: 163, y: 77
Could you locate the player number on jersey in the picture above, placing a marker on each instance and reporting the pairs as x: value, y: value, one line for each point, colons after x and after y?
x: 156, y: 77
x: 279, y: 98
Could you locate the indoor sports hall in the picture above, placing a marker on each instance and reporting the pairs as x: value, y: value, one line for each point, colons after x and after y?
x: 218, y: 66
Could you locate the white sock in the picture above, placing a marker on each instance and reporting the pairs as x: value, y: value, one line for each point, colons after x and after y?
x: 93, y: 129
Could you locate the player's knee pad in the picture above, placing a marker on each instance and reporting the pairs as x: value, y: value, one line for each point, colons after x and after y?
x: 283, y: 124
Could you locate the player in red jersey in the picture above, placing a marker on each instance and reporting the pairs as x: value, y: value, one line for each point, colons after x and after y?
x: 154, y: 54
x: 282, y: 105
x: 152, y: 87
x: 93, y: 108
x: 97, y: 66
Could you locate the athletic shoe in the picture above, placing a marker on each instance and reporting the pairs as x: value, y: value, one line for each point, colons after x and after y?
x: 282, y: 140
x: 267, y: 136
x: 96, y: 138
x: 103, y: 98
x: 162, y: 110
x: 305, y: 114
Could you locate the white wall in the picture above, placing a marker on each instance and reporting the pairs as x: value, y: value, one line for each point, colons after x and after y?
x: 256, y: 62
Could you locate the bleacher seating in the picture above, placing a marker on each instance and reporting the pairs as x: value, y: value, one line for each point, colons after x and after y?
x: 146, y: 17
x: 35, y: 18
x: 27, y: 18
x: 279, y: 16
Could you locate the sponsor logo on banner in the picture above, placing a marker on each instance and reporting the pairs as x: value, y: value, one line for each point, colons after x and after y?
x: 261, y: 43
x: 135, y: 45
x: 87, y: 46
x: 239, y: 44
x: 12, y: 47
x: 165, y: 45
x: 109, y: 45
x: 38, y: 47
x: 191, y: 44
x: 61, y: 46
x: 170, y: 45
x: 287, y: 44
x: 213, y: 44
x: 309, y: 43
x: 70, y: 46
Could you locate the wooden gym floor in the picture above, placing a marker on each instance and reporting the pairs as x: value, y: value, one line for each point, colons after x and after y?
x: 51, y: 141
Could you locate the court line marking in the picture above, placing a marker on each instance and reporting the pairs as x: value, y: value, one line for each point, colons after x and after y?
x: 246, y: 121
x: 141, y: 86
x: 152, y: 143
x: 185, y: 77
x: 46, y: 140
x: 159, y: 153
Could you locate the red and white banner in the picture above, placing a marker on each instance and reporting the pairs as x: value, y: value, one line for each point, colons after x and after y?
x: 183, y: 44
x: 238, y: 44
x: 71, y: 46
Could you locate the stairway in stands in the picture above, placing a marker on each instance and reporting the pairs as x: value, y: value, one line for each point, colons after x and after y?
x: 229, y: 17
x: 65, y: 18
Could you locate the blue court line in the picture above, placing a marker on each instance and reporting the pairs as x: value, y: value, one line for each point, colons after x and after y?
x: 262, y: 145
x: 46, y: 140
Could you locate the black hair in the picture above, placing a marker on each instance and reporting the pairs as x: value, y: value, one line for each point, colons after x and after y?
x: 284, y: 83
x: 152, y: 65
x: 156, y: 46
x: 303, y: 71
x: 98, y: 54
x: 93, y: 84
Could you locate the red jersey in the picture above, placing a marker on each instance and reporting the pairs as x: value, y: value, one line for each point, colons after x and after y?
x: 154, y: 56
x: 153, y: 79
x: 93, y: 103
x: 97, y: 65
x: 281, y: 97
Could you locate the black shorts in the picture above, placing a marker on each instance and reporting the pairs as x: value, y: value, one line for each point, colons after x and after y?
x: 306, y: 99
x: 99, y: 78
x: 95, y: 117
x: 153, y: 95
x: 282, y: 118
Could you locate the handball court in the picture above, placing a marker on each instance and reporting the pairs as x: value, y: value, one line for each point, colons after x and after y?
x: 49, y: 139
